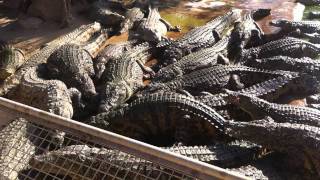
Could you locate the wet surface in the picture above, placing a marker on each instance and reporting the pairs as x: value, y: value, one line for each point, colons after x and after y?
x: 188, y: 14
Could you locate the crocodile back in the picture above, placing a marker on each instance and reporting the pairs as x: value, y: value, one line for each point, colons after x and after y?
x: 213, y: 78
x: 279, y: 112
x: 73, y: 65
x: 164, y: 112
x: 48, y: 95
x: 41, y: 56
x: 288, y: 46
x: 188, y: 63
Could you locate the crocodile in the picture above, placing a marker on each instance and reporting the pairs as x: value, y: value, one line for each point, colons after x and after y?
x: 123, y: 77
x: 107, y: 13
x: 213, y: 78
x: 257, y: 171
x: 80, y: 156
x: 312, y: 37
x: 294, y: 139
x: 245, y: 33
x: 314, y: 15
x: 112, y: 51
x: 203, y: 58
x: 303, y: 26
x: 287, y: 46
x: 154, y: 118
x: 11, y: 59
x: 132, y: 16
x: 304, y: 64
x: 309, y: 2
x: 199, y: 37
x: 16, y: 148
x: 263, y: 89
x: 72, y: 64
x: 81, y: 34
x: 259, y: 108
x: 153, y: 28
x: 49, y: 95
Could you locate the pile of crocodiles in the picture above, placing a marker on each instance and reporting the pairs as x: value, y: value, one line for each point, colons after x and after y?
x: 218, y: 94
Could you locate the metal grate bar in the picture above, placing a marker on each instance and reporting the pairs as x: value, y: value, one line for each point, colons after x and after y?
x: 93, y: 153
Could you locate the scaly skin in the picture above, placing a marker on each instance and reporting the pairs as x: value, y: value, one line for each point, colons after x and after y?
x: 80, y: 34
x: 203, y: 58
x: 288, y: 46
x: 16, y: 148
x: 305, y: 64
x: 199, y: 37
x: 111, y: 52
x: 123, y: 77
x: 261, y: 89
x: 246, y: 31
x: 158, y: 116
x: 303, y: 26
x: 49, y: 95
x: 11, y: 59
x: 210, y: 79
x: 294, y: 139
x: 73, y: 65
x: 259, y: 108
x: 132, y: 16
x: 153, y: 28
x: 59, y: 161
x: 257, y: 171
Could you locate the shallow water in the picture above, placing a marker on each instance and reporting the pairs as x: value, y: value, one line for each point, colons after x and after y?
x: 188, y: 14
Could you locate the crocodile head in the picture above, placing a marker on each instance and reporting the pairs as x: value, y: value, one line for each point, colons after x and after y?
x: 246, y: 102
x: 114, y: 95
x: 167, y: 74
x: 172, y: 54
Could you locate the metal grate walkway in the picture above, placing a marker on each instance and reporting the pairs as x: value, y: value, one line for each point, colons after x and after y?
x: 28, y: 150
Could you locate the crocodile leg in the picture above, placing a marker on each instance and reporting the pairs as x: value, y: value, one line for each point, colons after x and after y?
x: 169, y: 26
x: 258, y: 108
x: 146, y: 68
x: 235, y: 82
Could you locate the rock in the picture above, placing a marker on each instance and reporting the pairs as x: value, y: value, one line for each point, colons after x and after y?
x: 48, y: 9
x: 13, y: 4
x: 30, y: 22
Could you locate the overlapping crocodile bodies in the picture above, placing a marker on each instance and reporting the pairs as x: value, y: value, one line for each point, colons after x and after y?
x: 158, y: 115
x: 123, y: 77
x: 199, y: 37
x: 80, y: 34
x: 73, y: 65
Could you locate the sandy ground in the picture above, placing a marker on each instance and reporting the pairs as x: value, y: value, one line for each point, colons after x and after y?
x: 31, y: 39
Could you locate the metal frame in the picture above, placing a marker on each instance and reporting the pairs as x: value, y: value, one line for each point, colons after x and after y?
x: 151, y: 153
